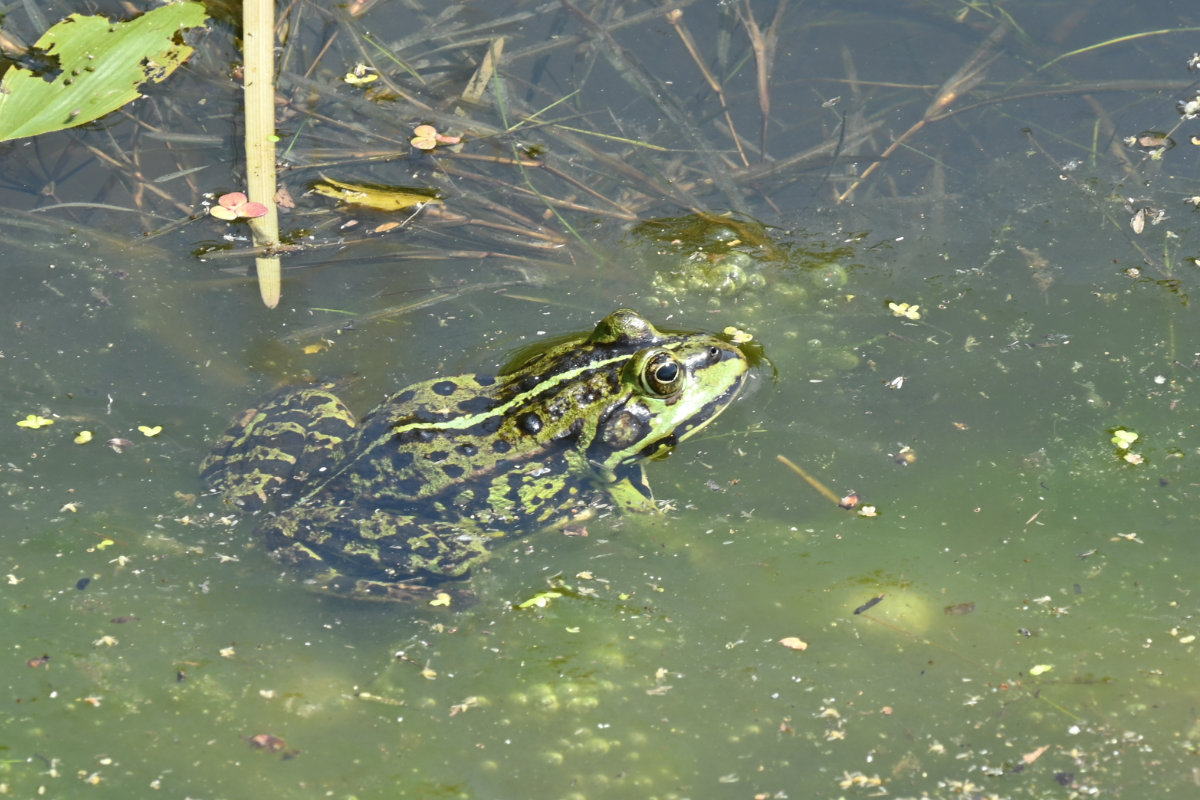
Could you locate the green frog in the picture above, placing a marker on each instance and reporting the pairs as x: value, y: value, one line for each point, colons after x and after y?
x: 417, y: 492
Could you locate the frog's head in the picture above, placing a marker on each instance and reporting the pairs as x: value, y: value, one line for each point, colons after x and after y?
x: 623, y: 393
x: 670, y: 385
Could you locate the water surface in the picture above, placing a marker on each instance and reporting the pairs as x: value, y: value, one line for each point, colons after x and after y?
x: 1034, y: 634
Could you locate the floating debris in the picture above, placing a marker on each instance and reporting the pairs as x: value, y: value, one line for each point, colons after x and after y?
x: 874, y: 601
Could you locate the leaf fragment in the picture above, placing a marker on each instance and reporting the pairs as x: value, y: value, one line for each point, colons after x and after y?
x: 1034, y: 755
x: 378, y: 197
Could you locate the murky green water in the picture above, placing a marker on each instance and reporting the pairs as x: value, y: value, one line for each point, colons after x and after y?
x: 1034, y: 634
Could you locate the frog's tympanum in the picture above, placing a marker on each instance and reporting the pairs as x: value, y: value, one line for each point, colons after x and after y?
x: 419, y: 490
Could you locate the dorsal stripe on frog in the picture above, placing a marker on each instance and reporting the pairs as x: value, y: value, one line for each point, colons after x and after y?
x: 502, y: 422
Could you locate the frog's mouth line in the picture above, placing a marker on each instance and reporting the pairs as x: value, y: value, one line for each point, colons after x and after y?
x: 752, y: 382
x: 710, y: 411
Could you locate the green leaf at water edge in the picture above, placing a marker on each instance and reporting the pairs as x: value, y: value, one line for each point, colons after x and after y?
x: 100, y: 64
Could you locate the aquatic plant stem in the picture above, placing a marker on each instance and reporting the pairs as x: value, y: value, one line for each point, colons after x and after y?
x: 258, y: 53
x: 821, y: 488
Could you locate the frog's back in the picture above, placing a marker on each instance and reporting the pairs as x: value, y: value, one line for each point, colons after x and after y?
x: 468, y: 448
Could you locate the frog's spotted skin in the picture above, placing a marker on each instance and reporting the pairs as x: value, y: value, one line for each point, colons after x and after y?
x: 422, y: 488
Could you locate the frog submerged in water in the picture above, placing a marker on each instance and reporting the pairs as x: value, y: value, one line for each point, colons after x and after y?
x: 420, y: 490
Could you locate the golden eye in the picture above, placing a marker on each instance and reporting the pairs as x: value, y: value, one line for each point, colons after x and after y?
x: 662, y: 374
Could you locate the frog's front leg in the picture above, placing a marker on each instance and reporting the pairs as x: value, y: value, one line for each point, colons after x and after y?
x: 630, y: 492
x: 281, y: 448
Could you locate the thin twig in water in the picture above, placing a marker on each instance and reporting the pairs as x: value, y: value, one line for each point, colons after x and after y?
x: 763, y: 44
x: 675, y: 17
x: 635, y: 73
x: 965, y: 78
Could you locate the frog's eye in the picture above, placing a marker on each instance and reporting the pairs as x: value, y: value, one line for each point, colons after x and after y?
x: 661, y: 373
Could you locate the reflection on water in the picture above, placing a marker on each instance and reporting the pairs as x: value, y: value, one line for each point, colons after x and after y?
x: 1025, y: 624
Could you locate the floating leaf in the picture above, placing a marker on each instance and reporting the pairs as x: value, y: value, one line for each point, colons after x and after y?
x: 150, y: 431
x: 232, y: 200
x: 1150, y: 140
x: 427, y: 138
x: 235, y: 205
x: 794, y: 643
x: 361, y: 75
x: 905, y: 310
x: 1137, y: 223
x: 540, y: 600
x: 442, y: 599
x: 267, y: 741
x: 738, y: 336
x: 33, y: 421
x: 1040, y: 669
x: 378, y: 197
x: 99, y: 66
x: 1123, y: 438
x: 83, y: 437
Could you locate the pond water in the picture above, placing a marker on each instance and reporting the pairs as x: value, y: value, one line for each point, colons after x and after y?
x: 975, y: 342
